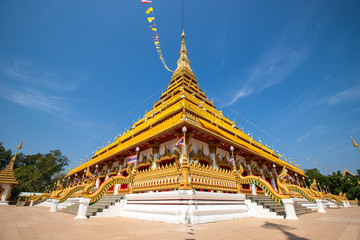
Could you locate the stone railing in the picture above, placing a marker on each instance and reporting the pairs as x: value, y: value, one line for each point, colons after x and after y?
x: 209, y: 178
x: 161, y: 178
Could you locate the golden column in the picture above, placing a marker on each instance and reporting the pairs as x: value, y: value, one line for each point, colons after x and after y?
x: 185, y: 169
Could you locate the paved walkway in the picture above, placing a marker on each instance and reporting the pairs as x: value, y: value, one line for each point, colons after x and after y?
x: 38, y: 223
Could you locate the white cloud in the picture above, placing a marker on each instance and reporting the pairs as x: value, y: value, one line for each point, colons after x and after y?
x: 345, y: 95
x: 37, y: 75
x: 315, y: 131
x: 38, y: 88
x: 272, y: 69
x: 34, y: 99
x: 280, y: 62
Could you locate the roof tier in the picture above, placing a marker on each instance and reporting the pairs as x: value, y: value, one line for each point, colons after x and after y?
x: 183, y: 102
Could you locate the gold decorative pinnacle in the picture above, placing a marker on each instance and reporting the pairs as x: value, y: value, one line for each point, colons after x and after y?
x: 183, y: 61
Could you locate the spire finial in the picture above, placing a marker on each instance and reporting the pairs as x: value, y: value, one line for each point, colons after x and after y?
x: 183, y: 60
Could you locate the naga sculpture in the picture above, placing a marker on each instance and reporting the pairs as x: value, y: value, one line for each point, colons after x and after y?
x: 265, y: 185
x: 105, y: 186
x: 313, y: 189
x: 281, y: 182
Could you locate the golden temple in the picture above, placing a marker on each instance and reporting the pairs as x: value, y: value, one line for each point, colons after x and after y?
x: 184, y: 104
x: 215, y: 173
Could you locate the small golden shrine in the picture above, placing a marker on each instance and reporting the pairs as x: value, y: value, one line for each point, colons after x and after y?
x: 7, y: 180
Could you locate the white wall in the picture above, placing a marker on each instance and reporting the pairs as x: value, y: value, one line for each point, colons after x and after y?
x: 7, y: 188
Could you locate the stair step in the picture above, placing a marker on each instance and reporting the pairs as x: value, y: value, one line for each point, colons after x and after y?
x: 99, y: 206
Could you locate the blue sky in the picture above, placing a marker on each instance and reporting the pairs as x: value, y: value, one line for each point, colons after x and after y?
x: 73, y: 73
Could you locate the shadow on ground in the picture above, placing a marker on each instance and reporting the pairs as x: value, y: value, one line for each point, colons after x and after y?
x: 285, y: 229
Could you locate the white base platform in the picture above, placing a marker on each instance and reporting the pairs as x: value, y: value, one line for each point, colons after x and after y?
x: 4, y: 203
x: 180, y: 207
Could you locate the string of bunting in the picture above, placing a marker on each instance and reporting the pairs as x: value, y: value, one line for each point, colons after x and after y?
x: 153, y: 27
x: 355, y: 145
x: 116, y: 121
x: 268, y: 134
x: 101, y: 132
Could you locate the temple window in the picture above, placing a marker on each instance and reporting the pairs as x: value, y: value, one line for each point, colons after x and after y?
x: 225, y: 167
x: 204, y: 162
x: 141, y: 168
x: 163, y: 163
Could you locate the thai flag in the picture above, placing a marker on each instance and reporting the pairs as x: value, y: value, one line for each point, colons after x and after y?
x: 145, y: 1
x: 180, y: 143
x: 231, y: 159
x: 131, y: 159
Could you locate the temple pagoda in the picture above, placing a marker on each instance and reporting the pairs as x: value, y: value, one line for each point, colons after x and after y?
x: 191, y: 165
x: 209, y: 137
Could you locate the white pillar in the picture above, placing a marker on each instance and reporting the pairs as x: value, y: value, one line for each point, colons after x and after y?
x: 320, y: 206
x: 345, y: 203
x: 7, y: 188
x: 97, y: 183
x: 273, y: 183
x: 212, y: 157
x: 31, y: 203
x: 289, y: 209
x: 252, y: 186
x: 253, y: 189
x: 84, y: 204
x: 156, y: 156
x: 116, y: 189
x: 54, y: 205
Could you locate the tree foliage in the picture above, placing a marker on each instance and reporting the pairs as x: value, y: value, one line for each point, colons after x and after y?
x: 336, y: 183
x: 35, y: 172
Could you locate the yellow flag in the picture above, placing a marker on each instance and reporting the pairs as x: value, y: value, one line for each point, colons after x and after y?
x: 354, y: 143
x: 20, y: 145
x: 154, y: 29
x: 150, y: 9
x: 285, y: 159
x: 359, y: 151
x: 150, y: 19
x: 280, y: 155
x: 296, y: 164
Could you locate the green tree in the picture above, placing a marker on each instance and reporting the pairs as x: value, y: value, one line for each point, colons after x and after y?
x: 35, y: 172
x: 5, y: 156
x: 336, y: 182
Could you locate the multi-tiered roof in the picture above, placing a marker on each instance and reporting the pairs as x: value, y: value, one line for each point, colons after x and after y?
x: 7, y: 174
x: 183, y: 103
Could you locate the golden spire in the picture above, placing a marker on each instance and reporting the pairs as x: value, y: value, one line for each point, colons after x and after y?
x: 183, y: 61
x: 354, y: 143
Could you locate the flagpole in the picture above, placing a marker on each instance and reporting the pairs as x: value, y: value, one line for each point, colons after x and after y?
x: 184, y: 149
x: 185, y: 169
x: 182, y: 19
